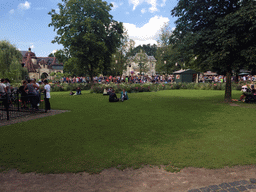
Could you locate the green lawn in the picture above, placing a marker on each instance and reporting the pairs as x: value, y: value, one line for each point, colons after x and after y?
x: 176, y: 128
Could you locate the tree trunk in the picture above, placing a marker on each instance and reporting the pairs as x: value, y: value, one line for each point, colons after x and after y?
x: 228, y: 96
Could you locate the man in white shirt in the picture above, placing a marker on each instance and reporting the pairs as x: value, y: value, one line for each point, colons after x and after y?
x: 47, y: 89
x: 3, y: 89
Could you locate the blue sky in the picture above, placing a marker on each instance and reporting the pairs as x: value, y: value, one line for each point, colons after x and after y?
x: 24, y: 23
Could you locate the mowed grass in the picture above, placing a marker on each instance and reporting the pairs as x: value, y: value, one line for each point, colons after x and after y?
x: 175, y: 128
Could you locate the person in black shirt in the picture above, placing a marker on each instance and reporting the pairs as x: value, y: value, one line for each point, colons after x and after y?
x: 24, y: 95
x: 113, y: 97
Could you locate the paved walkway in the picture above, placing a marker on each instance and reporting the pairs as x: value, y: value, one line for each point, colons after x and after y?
x: 236, y: 186
x: 31, y: 116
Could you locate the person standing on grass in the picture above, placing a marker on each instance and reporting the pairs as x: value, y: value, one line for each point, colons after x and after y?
x: 32, y: 94
x: 47, y: 89
x: 23, y: 95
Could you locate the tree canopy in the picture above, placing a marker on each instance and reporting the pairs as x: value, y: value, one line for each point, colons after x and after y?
x: 10, y: 62
x: 219, y: 34
x: 166, y: 54
x: 150, y: 50
x: 88, y: 31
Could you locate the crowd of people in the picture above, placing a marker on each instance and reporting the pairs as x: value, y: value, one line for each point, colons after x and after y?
x: 152, y: 79
x: 29, y: 92
x: 29, y: 89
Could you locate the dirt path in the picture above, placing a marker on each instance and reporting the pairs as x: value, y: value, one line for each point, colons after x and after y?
x: 145, y: 179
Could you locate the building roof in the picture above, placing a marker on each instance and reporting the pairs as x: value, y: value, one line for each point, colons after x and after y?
x: 23, y: 53
x: 185, y: 71
x: 151, y: 58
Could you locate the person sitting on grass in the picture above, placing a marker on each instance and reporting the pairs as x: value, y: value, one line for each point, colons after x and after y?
x: 71, y: 93
x: 105, y: 92
x: 113, y: 97
x: 244, y: 90
x: 78, y: 91
x: 124, y: 95
x: 109, y: 90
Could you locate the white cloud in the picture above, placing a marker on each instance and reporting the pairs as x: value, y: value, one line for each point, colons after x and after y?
x: 135, y: 3
x: 153, y: 4
x: 143, y: 11
x: 163, y: 3
x: 11, y: 11
x: 54, y: 51
x: 32, y: 46
x: 173, y: 28
x: 147, y: 33
x: 114, y: 5
x: 24, y: 6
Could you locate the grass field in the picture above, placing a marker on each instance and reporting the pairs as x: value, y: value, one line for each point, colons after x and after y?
x: 175, y: 128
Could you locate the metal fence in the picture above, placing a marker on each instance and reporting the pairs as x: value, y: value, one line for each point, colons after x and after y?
x: 14, y: 105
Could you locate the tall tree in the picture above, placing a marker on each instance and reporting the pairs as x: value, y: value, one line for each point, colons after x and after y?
x: 88, y: 31
x: 120, y: 57
x: 166, y: 54
x: 10, y: 62
x: 220, y: 34
x: 51, y: 55
x: 142, y: 61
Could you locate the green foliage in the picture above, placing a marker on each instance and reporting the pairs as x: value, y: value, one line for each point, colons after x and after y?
x: 51, y: 55
x: 120, y: 58
x: 150, y: 50
x: 10, y: 66
x: 69, y: 86
x: 167, y: 55
x: 142, y: 60
x: 149, y: 87
x: 219, y: 35
x: 87, y: 30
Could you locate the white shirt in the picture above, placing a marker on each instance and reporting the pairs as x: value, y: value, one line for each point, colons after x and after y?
x: 36, y: 88
x: 47, y: 87
x: 2, y: 88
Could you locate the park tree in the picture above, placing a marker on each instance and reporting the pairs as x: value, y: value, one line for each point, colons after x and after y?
x: 51, y: 55
x: 10, y: 62
x: 62, y: 55
x: 150, y: 50
x: 219, y: 34
x: 120, y: 58
x: 142, y: 61
x: 87, y: 30
x: 166, y: 55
